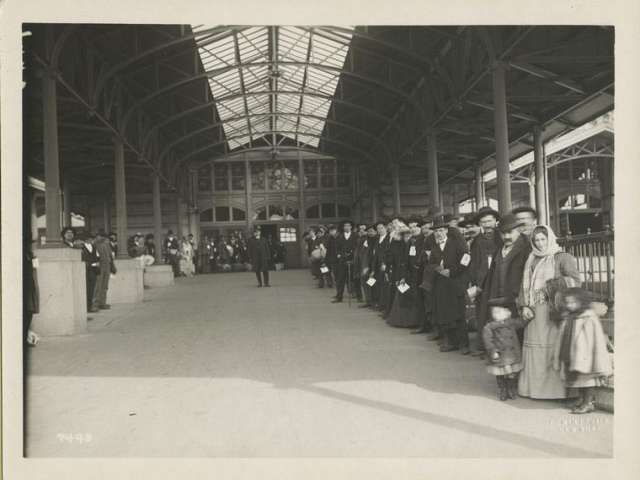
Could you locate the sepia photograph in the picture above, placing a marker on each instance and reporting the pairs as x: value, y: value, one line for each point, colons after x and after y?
x: 307, y: 240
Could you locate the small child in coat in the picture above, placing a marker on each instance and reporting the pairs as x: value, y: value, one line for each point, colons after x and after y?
x: 504, y: 356
x: 581, y: 353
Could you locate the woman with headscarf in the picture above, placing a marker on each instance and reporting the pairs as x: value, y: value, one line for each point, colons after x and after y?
x: 403, y: 311
x: 547, y: 271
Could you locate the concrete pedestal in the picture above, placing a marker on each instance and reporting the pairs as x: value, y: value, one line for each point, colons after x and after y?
x: 63, y: 298
x: 158, y: 276
x: 126, y: 286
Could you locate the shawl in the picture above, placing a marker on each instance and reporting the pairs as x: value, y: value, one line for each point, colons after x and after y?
x: 535, y: 276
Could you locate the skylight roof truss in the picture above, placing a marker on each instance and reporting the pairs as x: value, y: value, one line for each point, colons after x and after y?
x: 250, y: 67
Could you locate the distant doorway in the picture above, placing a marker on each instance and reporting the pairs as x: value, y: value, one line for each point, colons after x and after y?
x: 285, y: 242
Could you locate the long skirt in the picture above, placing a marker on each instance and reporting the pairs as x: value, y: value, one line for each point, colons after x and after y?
x: 404, y: 312
x: 538, y: 378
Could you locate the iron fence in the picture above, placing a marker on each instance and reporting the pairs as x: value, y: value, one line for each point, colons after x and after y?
x: 595, y: 255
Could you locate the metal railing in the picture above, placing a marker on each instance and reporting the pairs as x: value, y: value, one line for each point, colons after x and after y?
x: 595, y: 255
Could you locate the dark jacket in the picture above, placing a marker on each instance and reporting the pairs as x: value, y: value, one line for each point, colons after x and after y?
x: 449, y: 292
x: 103, y: 248
x: 346, y: 248
x: 364, y: 251
x: 482, y: 247
x: 332, y: 253
x: 379, y: 253
x: 259, y: 254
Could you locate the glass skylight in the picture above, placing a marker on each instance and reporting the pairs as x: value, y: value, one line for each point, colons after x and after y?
x: 261, y: 79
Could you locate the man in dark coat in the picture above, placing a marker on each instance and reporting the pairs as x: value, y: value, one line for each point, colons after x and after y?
x: 107, y: 267
x: 450, y: 259
x: 378, y: 266
x: 171, y: 249
x: 364, y: 261
x: 358, y: 282
x: 91, y: 260
x: 505, y: 275
x: 483, y: 250
x: 330, y: 259
x: 345, y: 255
x: 259, y: 256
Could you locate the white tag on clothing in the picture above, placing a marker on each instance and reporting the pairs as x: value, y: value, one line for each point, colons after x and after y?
x: 466, y: 258
x: 412, y: 251
x: 366, y: 244
x: 489, y: 260
x: 324, y: 269
x: 35, y: 263
x: 472, y: 292
x: 403, y: 287
x: 371, y: 282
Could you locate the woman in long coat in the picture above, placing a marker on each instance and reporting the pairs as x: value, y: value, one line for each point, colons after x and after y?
x: 403, y: 311
x: 546, y: 267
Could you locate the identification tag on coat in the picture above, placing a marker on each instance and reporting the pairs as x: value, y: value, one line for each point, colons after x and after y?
x: 324, y: 269
x: 403, y: 287
x: 35, y: 263
x: 465, y: 260
x: 371, y: 282
x: 412, y: 251
x: 489, y: 260
x: 366, y: 244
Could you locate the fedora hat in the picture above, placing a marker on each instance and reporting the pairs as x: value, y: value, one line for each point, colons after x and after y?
x: 509, y: 222
x: 484, y: 211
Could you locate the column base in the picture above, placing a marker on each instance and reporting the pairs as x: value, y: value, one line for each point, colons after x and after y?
x: 63, y: 299
x: 158, y: 276
x: 126, y: 286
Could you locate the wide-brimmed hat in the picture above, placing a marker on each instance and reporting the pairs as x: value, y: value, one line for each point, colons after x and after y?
x: 509, y: 222
x: 468, y: 220
x: 402, y: 229
x: 484, y: 211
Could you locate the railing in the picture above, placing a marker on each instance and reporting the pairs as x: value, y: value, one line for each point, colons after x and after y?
x: 595, y: 255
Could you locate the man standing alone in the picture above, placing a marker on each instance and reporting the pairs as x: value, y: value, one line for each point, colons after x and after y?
x: 345, y: 254
x: 259, y: 256
x: 107, y: 267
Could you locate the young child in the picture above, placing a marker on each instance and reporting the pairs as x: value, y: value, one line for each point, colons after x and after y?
x: 581, y: 353
x: 504, y: 356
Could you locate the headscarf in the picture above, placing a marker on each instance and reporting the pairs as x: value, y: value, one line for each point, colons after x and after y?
x: 534, y: 280
x: 584, y: 299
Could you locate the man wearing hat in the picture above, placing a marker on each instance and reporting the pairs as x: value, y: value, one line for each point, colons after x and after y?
x: 504, y: 277
x: 483, y: 250
x: 449, y: 260
x: 331, y: 257
x: 345, y: 255
x: 364, y: 258
x: 107, y: 267
x: 91, y: 260
x: 171, y: 249
x: 259, y: 256
x: 378, y: 271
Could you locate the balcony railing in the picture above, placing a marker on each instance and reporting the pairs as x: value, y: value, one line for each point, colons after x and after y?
x: 595, y: 255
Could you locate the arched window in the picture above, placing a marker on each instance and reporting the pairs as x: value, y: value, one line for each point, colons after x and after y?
x: 313, y: 211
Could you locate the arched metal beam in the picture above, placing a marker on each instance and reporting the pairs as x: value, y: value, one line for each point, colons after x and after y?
x: 368, y: 111
x: 209, y: 146
x: 213, y: 126
x: 214, y: 72
x: 100, y: 84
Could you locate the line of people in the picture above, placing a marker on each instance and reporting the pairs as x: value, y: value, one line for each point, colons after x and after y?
x: 504, y: 277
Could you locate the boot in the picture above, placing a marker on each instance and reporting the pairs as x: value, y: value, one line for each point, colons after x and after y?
x: 512, y: 387
x: 502, y: 388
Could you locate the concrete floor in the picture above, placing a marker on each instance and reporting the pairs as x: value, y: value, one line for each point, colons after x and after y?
x: 215, y: 367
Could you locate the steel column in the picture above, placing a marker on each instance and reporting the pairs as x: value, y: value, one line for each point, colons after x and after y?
x: 479, y: 187
x: 501, y: 129
x: 395, y: 177
x: 540, y: 163
x: 51, y: 160
x: 121, y: 197
x: 432, y: 164
x: 66, y: 201
x: 157, y: 217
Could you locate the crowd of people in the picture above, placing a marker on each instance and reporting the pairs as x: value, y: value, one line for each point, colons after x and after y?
x: 506, y: 278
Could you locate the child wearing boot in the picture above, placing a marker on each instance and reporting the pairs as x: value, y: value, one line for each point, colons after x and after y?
x: 504, y: 356
x: 581, y: 354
